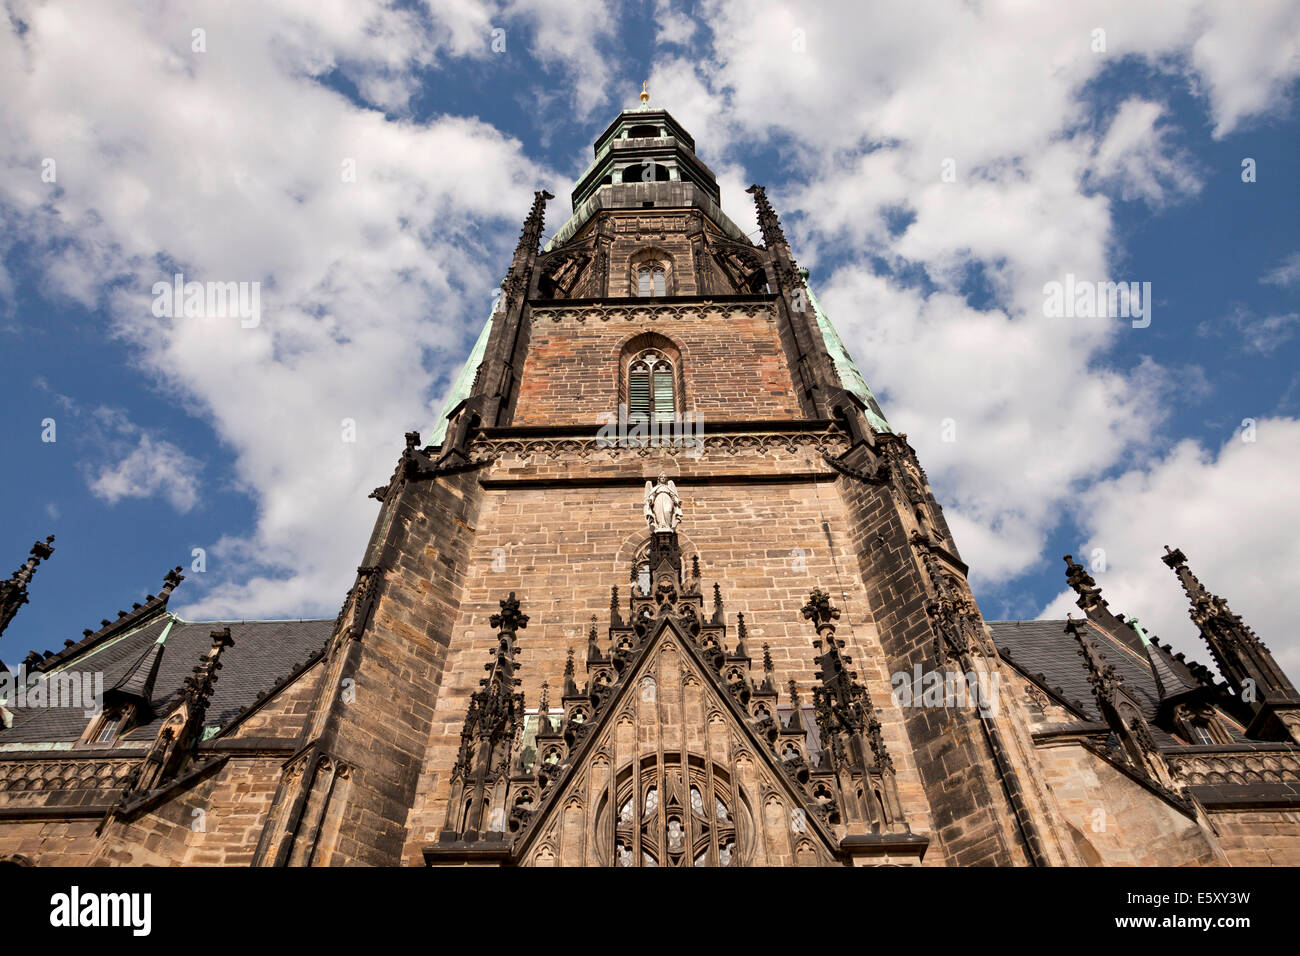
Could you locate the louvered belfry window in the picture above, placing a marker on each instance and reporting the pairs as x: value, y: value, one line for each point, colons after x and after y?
x: 651, y: 389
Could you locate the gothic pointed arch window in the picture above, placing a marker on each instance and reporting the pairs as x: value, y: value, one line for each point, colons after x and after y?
x: 651, y: 379
x: 651, y: 387
x: 651, y: 281
x: 651, y: 273
x: 667, y: 814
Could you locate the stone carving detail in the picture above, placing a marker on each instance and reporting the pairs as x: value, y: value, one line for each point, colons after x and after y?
x: 828, y: 442
x: 20, y: 776
x: 1260, y: 767
x: 671, y: 797
x: 478, y: 804
x: 643, y: 313
x: 1131, y: 742
x: 13, y: 592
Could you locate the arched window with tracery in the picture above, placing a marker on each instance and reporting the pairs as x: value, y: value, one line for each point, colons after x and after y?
x: 651, y: 387
x: 651, y: 281
x: 651, y: 380
x: 650, y: 274
x: 667, y: 814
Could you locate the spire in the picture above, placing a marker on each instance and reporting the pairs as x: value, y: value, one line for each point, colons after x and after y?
x: 768, y: 683
x: 1084, y: 585
x: 796, y: 717
x: 741, y: 634
x: 531, y: 234
x: 570, y: 685
x: 492, y: 722
x: 1103, y: 679
x: 845, y: 712
x: 13, y: 592
x: 719, y: 617
x: 1243, y: 660
x: 1240, y: 655
x: 1119, y: 708
x: 768, y: 221
x: 543, y: 711
x: 615, y: 618
x: 199, y: 687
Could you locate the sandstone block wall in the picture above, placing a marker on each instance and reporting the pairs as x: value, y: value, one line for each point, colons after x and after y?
x: 561, y: 549
x: 733, y: 362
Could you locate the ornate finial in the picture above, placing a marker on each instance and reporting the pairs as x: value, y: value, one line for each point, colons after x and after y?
x: 509, y: 620
x: 615, y: 619
x: 1083, y: 584
x: 645, y: 94
x: 1243, y: 660
x: 820, y: 611
x: 767, y: 658
x: 1101, y: 675
x: 591, y: 635
x: 172, y: 579
x: 43, y: 549
x: 543, y: 701
x: 718, y: 616
x: 570, y: 685
x: 1174, y: 557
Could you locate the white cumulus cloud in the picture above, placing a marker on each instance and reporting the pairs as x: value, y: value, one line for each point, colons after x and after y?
x: 1233, y: 511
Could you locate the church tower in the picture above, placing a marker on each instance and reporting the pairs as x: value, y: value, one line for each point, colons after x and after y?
x: 661, y: 587
x: 639, y: 599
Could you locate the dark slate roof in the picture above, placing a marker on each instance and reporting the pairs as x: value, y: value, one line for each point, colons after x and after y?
x: 264, y: 654
x: 1044, y: 648
x: 1044, y: 652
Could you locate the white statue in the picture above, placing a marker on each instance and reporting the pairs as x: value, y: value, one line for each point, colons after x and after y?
x: 663, y: 506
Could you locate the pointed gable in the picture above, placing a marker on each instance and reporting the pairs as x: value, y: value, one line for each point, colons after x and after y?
x: 671, y: 774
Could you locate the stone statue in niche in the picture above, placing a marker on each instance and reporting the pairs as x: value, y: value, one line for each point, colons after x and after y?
x: 663, y: 506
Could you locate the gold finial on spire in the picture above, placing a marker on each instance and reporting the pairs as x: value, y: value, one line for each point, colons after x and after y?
x: 645, y: 93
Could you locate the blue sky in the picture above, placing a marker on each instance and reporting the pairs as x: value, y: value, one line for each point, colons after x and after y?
x: 1081, y: 436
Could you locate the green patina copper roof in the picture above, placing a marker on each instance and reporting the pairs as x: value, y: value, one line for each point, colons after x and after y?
x: 464, y: 382
x: 849, y: 375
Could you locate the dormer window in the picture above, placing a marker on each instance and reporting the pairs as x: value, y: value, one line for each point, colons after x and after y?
x: 108, y: 727
x: 105, y: 727
x: 644, y: 131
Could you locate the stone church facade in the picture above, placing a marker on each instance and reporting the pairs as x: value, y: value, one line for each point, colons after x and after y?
x: 663, y: 588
